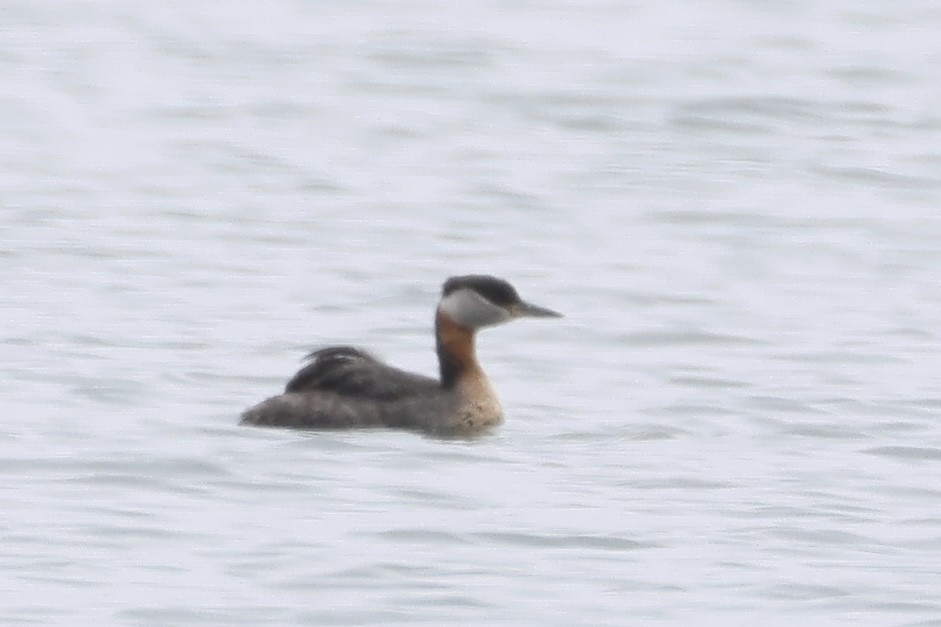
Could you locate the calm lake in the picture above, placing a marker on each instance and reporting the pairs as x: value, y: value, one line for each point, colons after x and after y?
x: 736, y: 205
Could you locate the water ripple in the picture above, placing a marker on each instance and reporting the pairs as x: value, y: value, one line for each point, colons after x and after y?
x: 909, y: 453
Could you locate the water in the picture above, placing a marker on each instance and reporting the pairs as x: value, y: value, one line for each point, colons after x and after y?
x: 735, y: 204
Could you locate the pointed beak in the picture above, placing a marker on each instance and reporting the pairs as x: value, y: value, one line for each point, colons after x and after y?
x: 524, y: 309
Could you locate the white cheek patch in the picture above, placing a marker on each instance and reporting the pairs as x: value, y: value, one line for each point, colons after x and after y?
x: 470, y: 309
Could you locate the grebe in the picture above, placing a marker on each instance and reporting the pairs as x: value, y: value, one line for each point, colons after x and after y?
x: 344, y: 387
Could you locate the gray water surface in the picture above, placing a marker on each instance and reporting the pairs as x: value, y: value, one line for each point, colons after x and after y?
x: 736, y: 205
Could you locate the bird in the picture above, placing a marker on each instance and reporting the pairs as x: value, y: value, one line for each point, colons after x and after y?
x: 343, y: 387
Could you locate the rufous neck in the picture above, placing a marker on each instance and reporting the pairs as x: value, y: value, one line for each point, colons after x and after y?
x: 456, y: 352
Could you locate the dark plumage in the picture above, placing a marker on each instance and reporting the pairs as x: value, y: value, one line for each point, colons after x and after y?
x: 350, y: 371
x: 344, y: 387
x: 497, y: 291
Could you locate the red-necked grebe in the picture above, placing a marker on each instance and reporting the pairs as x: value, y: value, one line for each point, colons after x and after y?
x: 344, y: 387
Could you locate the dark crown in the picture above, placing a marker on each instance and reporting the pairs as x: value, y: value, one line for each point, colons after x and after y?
x: 497, y: 291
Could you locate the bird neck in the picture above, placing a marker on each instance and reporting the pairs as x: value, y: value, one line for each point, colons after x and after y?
x: 457, y: 356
